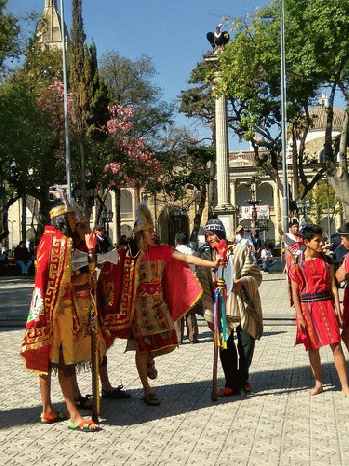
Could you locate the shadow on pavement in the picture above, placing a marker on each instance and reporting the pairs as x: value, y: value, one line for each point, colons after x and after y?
x: 182, y: 398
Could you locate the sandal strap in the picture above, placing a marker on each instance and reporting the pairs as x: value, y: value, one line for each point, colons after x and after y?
x: 86, y: 422
x: 54, y: 416
x: 49, y: 416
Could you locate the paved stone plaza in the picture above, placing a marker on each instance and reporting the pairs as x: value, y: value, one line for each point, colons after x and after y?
x: 279, y: 424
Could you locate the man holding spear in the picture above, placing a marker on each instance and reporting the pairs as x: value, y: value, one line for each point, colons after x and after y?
x: 57, y: 333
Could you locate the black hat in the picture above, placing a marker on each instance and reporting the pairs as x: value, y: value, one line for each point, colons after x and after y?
x: 216, y: 226
x: 344, y: 229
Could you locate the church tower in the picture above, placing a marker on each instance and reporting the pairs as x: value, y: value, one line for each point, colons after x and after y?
x: 49, y: 30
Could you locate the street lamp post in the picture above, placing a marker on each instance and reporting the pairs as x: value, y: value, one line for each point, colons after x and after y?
x: 283, y: 122
x: 253, y: 203
x: 66, y: 118
x: 12, y: 222
x: 328, y: 209
x: 303, y: 207
x: 107, y: 217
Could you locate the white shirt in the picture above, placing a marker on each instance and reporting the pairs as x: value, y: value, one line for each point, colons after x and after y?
x: 289, y: 239
x: 266, y: 254
x: 185, y: 249
x: 244, y: 240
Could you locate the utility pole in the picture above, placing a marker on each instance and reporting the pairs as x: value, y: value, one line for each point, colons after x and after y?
x: 285, y: 207
x: 66, y: 117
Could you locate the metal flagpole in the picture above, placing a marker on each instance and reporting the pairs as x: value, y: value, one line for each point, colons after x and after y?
x: 66, y: 118
x: 283, y: 124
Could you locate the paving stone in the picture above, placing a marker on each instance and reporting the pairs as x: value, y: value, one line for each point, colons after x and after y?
x: 279, y: 424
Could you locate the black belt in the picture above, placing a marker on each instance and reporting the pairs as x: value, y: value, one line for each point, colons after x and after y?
x: 318, y: 296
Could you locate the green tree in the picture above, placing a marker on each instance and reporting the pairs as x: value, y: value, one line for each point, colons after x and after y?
x: 186, y: 173
x: 31, y: 155
x: 129, y: 84
x: 317, y: 37
x: 31, y: 150
x: 323, y: 201
x: 89, y: 111
x: 9, y: 32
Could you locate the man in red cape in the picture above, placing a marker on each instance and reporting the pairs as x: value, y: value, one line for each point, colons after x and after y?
x: 150, y: 288
x: 53, y: 324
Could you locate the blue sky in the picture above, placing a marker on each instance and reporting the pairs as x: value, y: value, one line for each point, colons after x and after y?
x: 172, y: 32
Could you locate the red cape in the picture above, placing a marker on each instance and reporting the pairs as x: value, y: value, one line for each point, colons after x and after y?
x: 116, y: 291
x: 51, y: 279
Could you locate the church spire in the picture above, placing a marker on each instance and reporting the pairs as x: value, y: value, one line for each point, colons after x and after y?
x: 50, y: 4
x: 49, y: 30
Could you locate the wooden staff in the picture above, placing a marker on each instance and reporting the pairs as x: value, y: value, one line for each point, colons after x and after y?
x: 215, y: 364
x: 94, y: 344
x: 95, y: 377
x: 219, y: 295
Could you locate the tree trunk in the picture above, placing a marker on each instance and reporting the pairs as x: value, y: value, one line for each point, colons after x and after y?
x: 5, y: 209
x: 343, y: 161
x: 341, y: 188
x: 295, y: 167
x: 83, y: 177
x: 24, y: 219
x: 329, y: 127
x: 339, y: 178
x: 137, y: 194
x: 118, y: 214
x: 44, y: 214
x: 210, y: 191
x: 198, y: 216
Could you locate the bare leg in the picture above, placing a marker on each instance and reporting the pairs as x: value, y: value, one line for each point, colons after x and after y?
x: 315, y: 364
x: 103, y: 374
x: 77, y: 392
x: 339, y: 362
x: 141, y: 364
x: 66, y: 381
x: 45, y: 392
x: 345, y: 337
x: 67, y: 386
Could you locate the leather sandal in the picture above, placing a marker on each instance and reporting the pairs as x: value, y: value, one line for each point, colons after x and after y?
x: 53, y: 416
x: 115, y: 393
x: 84, y: 426
x: 151, y: 399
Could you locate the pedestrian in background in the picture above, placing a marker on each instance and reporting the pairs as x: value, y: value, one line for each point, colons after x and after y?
x: 241, y: 237
x: 255, y: 244
x: 189, y: 319
x: 22, y: 257
x: 266, y: 257
x: 104, y: 243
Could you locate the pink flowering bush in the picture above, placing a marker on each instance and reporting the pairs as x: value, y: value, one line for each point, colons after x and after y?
x: 131, y: 164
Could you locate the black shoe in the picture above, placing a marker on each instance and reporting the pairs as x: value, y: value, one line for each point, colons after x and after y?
x: 115, y: 394
x: 84, y: 402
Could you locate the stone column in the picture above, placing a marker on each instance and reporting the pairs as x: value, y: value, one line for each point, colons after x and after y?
x: 224, y: 210
x: 222, y: 153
